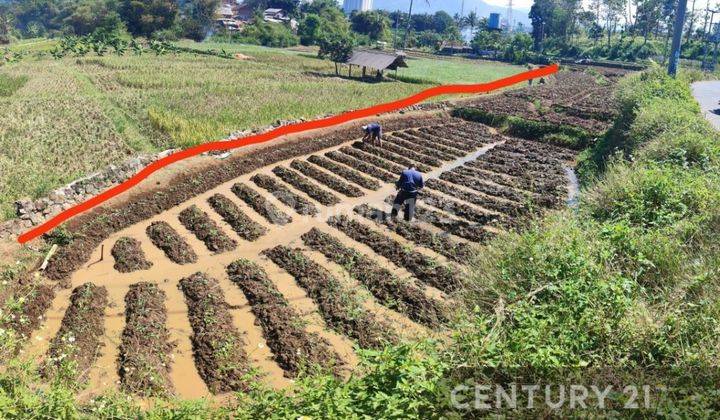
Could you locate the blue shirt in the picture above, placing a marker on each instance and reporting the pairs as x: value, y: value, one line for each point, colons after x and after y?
x: 410, y: 181
x: 375, y: 128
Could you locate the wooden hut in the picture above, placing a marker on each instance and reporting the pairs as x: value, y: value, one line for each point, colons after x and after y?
x: 377, y: 60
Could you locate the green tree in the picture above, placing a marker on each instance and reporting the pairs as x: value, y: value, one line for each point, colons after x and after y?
x: 310, y: 28
x: 337, y: 46
x: 87, y: 16
x: 143, y: 17
x: 374, y: 24
x: 518, y: 49
x: 6, y: 25
x: 486, y: 39
x: 199, y: 18
x: 444, y: 24
x: 472, y: 21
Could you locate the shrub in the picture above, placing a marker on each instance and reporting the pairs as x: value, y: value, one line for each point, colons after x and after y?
x: 479, y: 115
x: 537, y: 130
x: 267, y: 34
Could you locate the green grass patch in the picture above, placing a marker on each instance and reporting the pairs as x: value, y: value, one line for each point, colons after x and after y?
x: 10, y: 84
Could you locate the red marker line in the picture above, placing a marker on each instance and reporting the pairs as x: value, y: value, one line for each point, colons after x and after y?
x: 278, y: 132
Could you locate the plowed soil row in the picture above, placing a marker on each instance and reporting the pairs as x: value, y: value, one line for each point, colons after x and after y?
x: 345, y: 172
x: 461, y: 177
x: 294, y: 349
x: 262, y: 206
x: 305, y: 185
x: 218, y: 347
x: 456, y: 177
x: 91, y: 229
x: 487, y: 202
x: 460, y: 228
x: 445, y: 136
x: 421, y: 266
x: 360, y: 165
x: 206, y: 230
x: 414, y: 155
x: 77, y: 344
x: 129, y: 256
x: 163, y: 236
x: 551, y: 163
x: 378, y: 157
x: 458, y: 208
x: 539, y: 149
x: 513, y: 170
x: 518, y: 183
x: 482, y: 137
x: 462, y: 147
x: 391, y: 291
x: 502, y: 159
x: 283, y: 194
x: 421, y: 147
x: 339, y: 306
x: 145, y: 349
x: 446, y: 153
x: 384, y: 158
x: 331, y: 181
x: 245, y: 227
x: 457, y: 251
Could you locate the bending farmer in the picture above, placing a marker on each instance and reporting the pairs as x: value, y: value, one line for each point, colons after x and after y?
x: 373, y: 132
x: 409, y: 184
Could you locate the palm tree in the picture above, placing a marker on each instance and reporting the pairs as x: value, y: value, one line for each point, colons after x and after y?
x: 472, y: 21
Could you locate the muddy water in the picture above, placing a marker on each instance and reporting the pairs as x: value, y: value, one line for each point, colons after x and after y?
x: 573, y: 198
x: 166, y: 274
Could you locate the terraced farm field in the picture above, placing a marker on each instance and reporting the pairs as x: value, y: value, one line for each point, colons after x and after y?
x: 276, y: 262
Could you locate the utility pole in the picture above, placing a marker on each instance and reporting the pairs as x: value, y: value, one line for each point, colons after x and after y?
x: 409, y: 26
x: 677, y: 37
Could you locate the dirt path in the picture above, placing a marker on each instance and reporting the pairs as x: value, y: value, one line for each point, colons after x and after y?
x: 707, y: 93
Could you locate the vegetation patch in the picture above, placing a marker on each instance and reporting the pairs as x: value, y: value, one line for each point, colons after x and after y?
x: 206, y: 230
x: 261, y: 205
x: 340, y: 307
x: 24, y: 311
x: 424, y: 268
x: 239, y: 221
x: 77, y: 344
x: 362, y: 166
x: 397, y: 159
x: 167, y: 239
x: 145, y: 351
x: 345, y: 172
x: 460, y: 252
x: 218, y: 347
x: 300, y: 204
x: 129, y: 256
x: 305, y: 185
x: 328, y: 180
x: 391, y: 291
x: 295, y: 349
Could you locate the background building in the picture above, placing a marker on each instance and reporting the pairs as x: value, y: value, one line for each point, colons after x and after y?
x: 350, y: 6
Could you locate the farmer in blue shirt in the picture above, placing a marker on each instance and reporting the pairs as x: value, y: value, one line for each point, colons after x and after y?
x: 409, y: 184
x: 373, y: 132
